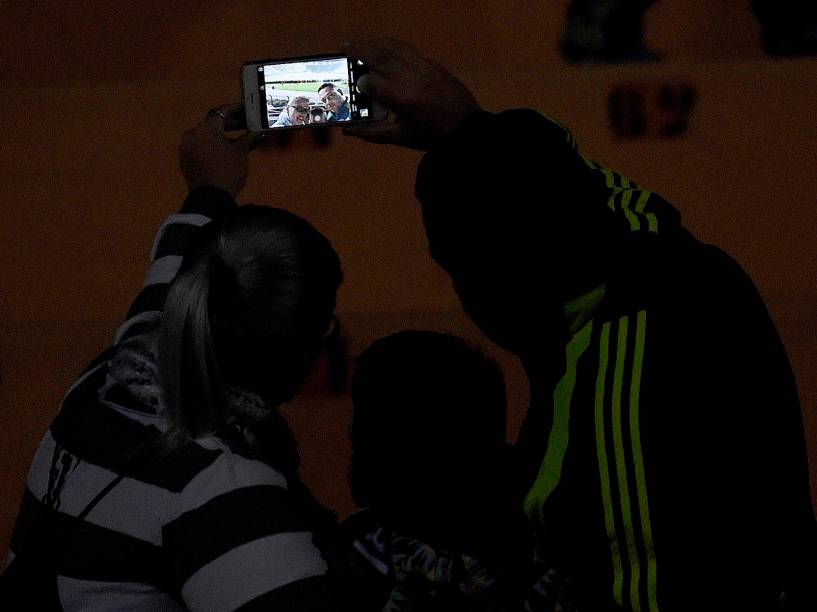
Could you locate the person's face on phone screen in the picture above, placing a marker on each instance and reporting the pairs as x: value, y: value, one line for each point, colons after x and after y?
x: 299, y: 112
x: 331, y: 98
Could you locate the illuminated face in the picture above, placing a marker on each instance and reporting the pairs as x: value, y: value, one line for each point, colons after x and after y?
x: 299, y: 112
x: 331, y: 98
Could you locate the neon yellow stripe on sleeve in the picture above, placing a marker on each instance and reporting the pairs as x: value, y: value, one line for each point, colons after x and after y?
x: 626, y: 196
x: 621, y: 466
x: 638, y: 460
x: 604, y: 468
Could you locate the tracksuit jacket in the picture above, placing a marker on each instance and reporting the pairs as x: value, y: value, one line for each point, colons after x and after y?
x: 667, y: 467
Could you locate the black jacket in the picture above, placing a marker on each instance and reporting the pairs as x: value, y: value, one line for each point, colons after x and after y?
x: 669, y: 471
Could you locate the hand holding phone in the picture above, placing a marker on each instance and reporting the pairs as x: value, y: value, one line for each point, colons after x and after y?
x: 425, y: 101
x: 319, y: 90
x: 208, y: 157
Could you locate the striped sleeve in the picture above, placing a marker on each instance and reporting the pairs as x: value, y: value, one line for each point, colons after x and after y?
x: 203, y: 204
x: 238, y: 536
x: 639, y: 209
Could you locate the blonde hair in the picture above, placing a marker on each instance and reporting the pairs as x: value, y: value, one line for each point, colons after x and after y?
x: 295, y: 100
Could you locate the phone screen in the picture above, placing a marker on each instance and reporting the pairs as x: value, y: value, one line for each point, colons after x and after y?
x: 305, y: 92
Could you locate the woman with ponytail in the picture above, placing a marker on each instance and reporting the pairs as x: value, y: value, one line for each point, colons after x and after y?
x: 169, y: 481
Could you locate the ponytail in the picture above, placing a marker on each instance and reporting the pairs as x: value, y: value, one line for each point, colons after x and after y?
x: 191, y: 381
x: 248, y: 309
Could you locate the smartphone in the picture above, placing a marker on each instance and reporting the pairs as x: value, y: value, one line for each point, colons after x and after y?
x: 301, y: 92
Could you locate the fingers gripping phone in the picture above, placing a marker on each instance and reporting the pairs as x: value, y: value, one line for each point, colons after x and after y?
x: 299, y: 92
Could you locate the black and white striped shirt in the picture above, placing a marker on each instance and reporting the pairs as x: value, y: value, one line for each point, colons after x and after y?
x: 203, y: 528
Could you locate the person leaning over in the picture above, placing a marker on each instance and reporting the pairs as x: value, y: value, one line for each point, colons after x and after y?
x: 169, y: 480
x: 663, y: 454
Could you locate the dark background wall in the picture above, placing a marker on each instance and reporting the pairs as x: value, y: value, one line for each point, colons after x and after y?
x: 97, y: 94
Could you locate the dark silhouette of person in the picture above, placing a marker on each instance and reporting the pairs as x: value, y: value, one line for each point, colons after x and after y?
x: 432, y: 468
x: 663, y: 455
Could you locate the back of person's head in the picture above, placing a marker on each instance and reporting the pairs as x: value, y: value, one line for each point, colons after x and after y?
x: 559, y: 235
x: 429, y: 419
x: 248, y: 308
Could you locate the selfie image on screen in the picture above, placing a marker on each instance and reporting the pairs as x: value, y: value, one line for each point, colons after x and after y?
x: 303, y: 93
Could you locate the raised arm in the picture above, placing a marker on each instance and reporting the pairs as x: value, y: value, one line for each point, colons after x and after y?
x: 489, y: 160
x: 215, y: 170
